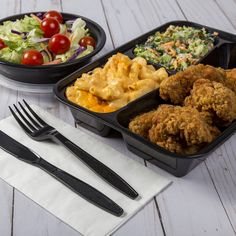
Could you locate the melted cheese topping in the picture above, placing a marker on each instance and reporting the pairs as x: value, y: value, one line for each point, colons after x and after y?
x: 119, y: 82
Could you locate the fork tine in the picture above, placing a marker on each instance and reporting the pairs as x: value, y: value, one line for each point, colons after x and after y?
x: 24, y: 119
x: 30, y: 117
x: 34, y: 114
x: 23, y: 126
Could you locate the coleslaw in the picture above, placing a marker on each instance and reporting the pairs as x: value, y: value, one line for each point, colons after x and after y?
x: 176, y: 48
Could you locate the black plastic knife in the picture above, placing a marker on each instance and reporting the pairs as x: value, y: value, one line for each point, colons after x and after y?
x: 81, y: 188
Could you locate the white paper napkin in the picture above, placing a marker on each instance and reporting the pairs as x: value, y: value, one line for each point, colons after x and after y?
x: 61, y: 201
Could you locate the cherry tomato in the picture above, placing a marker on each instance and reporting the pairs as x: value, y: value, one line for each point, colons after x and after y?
x: 54, y: 14
x: 50, y: 26
x: 2, y: 44
x: 59, y: 43
x: 87, y: 40
x: 32, y: 57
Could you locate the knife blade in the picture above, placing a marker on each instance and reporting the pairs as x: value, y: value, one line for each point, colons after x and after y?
x: 86, y: 191
x: 98, y: 167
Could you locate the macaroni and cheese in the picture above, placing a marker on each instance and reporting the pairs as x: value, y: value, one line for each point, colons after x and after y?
x: 119, y: 82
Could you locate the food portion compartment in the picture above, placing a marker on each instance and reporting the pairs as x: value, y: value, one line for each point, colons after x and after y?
x: 103, y: 88
x: 178, y: 165
x: 177, y: 45
x: 111, y: 86
x: 82, y: 116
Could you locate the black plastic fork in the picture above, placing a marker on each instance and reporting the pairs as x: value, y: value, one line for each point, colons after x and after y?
x: 39, y: 130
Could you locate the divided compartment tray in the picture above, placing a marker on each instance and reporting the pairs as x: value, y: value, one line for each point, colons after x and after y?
x: 222, y: 55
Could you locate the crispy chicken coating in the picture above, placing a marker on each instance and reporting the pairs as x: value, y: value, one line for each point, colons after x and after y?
x: 142, y: 123
x: 182, y: 130
x: 207, y: 96
x: 214, y: 97
x: 176, y: 87
x: 230, y: 81
x: 178, y: 129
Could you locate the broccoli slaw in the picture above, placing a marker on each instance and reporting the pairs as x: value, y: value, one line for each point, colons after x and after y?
x: 176, y: 48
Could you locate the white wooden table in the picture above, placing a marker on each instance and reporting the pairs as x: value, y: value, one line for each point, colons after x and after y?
x: 203, y: 202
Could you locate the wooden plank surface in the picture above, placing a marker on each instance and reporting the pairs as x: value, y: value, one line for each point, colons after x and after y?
x: 222, y: 169
x: 203, y: 202
x: 146, y: 222
x: 192, y: 207
x: 7, y: 97
x: 207, y: 13
x: 227, y: 7
x: 133, y: 15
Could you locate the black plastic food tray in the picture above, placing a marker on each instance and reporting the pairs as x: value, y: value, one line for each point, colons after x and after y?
x: 223, y: 54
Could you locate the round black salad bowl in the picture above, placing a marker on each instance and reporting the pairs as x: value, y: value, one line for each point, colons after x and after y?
x: 50, y: 74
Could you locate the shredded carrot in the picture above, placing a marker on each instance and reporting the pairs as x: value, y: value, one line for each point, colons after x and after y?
x: 57, y: 61
x: 36, y: 18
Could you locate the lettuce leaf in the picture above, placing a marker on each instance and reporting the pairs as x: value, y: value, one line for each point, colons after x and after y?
x: 64, y: 57
x: 17, y: 44
x: 78, y: 31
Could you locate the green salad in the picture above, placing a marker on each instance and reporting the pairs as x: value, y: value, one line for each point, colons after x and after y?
x: 176, y: 48
x: 44, y: 39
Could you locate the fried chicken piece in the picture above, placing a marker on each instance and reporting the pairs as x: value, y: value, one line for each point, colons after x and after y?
x: 142, y: 123
x: 176, y: 87
x: 213, y: 97
x: 181, y: 129
x: 230, y: 81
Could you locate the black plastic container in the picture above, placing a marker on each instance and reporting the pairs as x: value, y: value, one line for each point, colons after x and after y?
x: 223, y: 54
x: 50, y: 74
